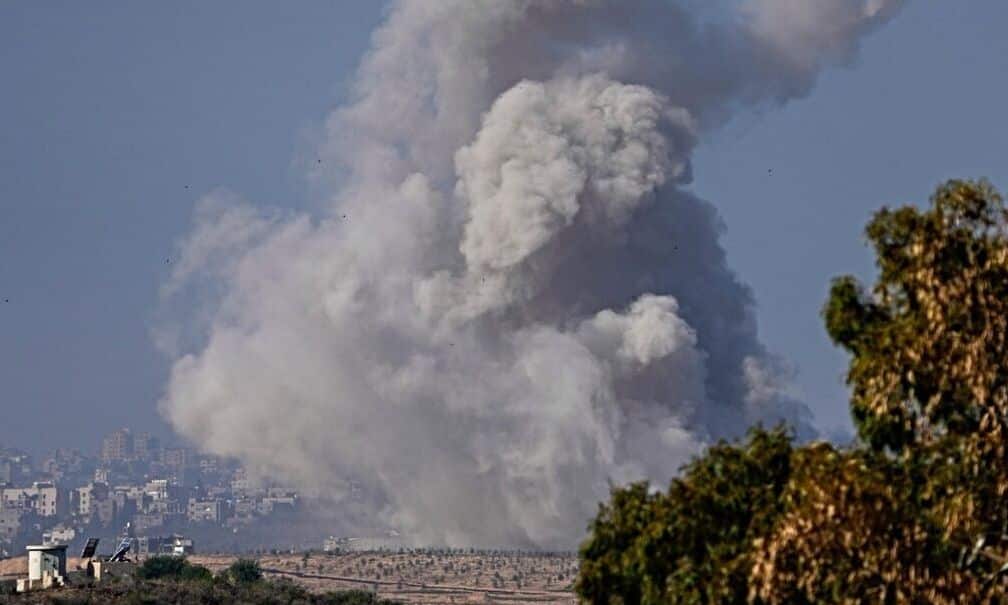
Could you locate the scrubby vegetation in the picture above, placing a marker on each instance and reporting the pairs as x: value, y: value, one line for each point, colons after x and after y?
x: 244, y: 571
x: 172, y: 581
x: 171, y: 568
x: 915, y: 511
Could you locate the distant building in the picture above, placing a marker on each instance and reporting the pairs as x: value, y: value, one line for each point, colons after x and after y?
x: 7, y: 472
x: 10, y: 524
x: 206, y: 511
x: 157, y: 489
x: 176, y: 457
x: 117, y: 446
x: 143, y: 523
x: 60, y: 534
x: 272, y: 504
x: 42, y: 497
x: 15, y: 467
x: 239, y: 485
x: 392, y: 541
x: 170, y: 508
x: 244, y: 509
x: 146, y: 447
x: 209, y: 465
x: 88, y: 495
x: 103, y: 509
x: 181, y: 546
x: 64, y: 464
x: 175, y: 545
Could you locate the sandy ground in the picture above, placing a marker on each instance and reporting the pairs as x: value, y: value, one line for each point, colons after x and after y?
x: 13, y: 567
x: 18, y: 566
x: 428, y: 578
x: 425, y: 579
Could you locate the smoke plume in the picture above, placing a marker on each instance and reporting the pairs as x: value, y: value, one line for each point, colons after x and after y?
x: 509, y: 298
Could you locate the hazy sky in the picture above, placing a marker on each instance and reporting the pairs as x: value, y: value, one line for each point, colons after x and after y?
x: 115, y: 117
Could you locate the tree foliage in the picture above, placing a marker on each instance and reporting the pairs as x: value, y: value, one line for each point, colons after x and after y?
x: 928, y: 346
x: 917, y: 511
x: 168, y: 567
x: 244, y: 571
x: 854, y: 533
x: 690, y: 544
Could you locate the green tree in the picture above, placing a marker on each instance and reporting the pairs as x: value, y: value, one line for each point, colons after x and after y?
x: 245, y: 571
x: 929, y: 352
x: 691, y: 544
x: 168, y: 567
x: 856, y: 530
x: 928, y: 343
x: 918, y: 511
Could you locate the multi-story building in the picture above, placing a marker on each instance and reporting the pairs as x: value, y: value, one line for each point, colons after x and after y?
x: 88, y: 495
x: 157, y: 489
x: 245, y: 509
x: 15, y: 467
x: 239, y: 485
x: 104, y: 510
x: 61, y: 534
x: 169, y: 507
x: 164, y: 545
x: 117, y: 446
x: 176, y: 457
x: 135, y: 494
x: 146, y: 522
x: 8, y: 472
x: 146, y: 447
x: 10, y: 523
x: 42, y: 498
x: 66, y: 465
x: 209, y: 465
x: 206, y: 511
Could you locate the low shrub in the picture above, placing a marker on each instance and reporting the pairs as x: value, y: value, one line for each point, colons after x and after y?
x: 244, y: 571
x: 168, y: 567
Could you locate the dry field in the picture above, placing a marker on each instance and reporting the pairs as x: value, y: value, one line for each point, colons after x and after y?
x: 419, y: 577
x: 427, y: 578
x: 17, y: 567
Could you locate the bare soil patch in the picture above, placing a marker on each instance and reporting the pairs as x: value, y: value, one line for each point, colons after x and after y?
x: 427, y: 579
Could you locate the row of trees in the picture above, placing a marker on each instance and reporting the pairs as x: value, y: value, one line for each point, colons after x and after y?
x: 915, y: 512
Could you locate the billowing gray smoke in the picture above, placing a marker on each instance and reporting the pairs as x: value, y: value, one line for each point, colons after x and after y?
x: 509, y: 300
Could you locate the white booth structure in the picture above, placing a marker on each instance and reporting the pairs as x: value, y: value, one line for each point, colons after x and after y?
x: 46, y: 567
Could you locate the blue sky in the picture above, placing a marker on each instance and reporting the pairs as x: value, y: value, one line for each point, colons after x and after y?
x: 115, y: 117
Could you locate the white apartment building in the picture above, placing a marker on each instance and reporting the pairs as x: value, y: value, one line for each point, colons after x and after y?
x: 42, y: 497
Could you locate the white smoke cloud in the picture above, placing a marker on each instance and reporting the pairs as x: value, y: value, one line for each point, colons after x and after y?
x: 508, y: 299
x: 544, y: 150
